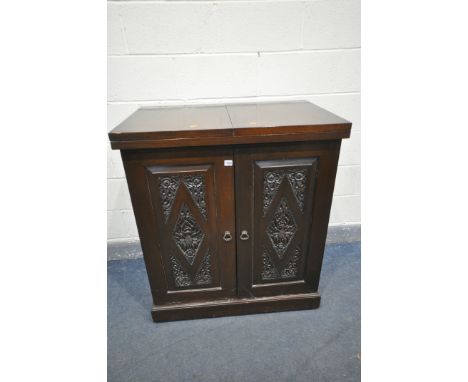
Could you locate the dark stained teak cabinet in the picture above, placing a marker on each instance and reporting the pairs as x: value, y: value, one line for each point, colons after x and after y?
x: 232, y: 203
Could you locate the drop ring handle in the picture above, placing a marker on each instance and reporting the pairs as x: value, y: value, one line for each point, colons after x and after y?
x: 244, y: 235
x: 227, y: 236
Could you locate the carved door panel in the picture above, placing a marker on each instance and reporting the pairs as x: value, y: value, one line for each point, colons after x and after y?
x: 190, y: 203
x: 277, y: 188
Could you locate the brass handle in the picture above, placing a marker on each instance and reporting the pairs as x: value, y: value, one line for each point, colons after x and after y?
x: 244, y: 235
x: 227, y: 236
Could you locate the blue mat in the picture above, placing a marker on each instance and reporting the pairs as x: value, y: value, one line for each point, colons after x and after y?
x: 314, y: 345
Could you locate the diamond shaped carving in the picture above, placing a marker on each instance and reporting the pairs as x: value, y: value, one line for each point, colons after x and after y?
x: 187, y: 234
x: 282, y: 228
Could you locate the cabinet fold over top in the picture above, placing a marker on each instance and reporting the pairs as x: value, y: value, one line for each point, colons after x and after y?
x: 159, y: 127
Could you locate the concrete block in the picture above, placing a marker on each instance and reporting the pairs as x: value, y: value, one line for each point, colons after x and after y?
x: 165, y: 27
x: 115, y: 34
x: 121, y: 224
x: 114, y: 164
x: 351, y: 149
x: 152, y: 78
x: 118, y: 197
x: 346, y: 209
x: 348, y: 181
x: 331, y: 24
x: 217, y: 76
x: 309, y: 72
x: 254, y: 27
x: 193, y: 27
x: 134, y: 78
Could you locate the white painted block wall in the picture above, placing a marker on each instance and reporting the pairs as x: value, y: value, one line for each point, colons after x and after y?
x: 191, y: 52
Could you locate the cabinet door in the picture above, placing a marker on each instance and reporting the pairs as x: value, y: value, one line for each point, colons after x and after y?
x: 183, y: 202
x: 284, y: 194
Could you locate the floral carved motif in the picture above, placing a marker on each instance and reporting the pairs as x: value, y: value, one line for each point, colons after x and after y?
x: 168, y: 186
x: 183, y: 279
x: 195, y: 185
x: 271, y: 182
x: 269, y: 271
x: 203, y: 275
x: 187, y: 234
x: 297, y: 179
x: 282, y: 228
x: 291, y: 269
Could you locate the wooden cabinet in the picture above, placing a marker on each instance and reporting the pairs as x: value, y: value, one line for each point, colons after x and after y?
x: 184, y: 202
x: 232, y: 204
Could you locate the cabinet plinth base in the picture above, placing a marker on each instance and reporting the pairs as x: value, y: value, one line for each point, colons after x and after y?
x: 235, y: 306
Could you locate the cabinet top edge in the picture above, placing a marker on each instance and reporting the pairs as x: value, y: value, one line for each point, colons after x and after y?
x: 227, y: 124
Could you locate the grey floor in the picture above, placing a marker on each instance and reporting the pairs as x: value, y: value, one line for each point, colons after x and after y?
x: 315, y: 345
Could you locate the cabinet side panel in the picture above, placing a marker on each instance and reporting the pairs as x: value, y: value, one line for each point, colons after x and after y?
x: 321, y: 214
